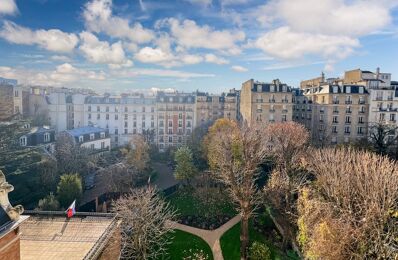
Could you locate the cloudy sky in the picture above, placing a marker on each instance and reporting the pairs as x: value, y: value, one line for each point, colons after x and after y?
x: 211, y: 45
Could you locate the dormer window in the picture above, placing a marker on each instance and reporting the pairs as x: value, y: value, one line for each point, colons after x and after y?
x: 258, y: 88
x: 23, y: 141
x: 102, y: 134
x: 46, y: 137
x: 335, y: 89
x: 348, y: 89
x: 91, y: 136
x: 81, y: 139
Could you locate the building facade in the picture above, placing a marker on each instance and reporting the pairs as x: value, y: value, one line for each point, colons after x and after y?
x: 11, y: 100
x: 333, y: 112
x: 266, y: 102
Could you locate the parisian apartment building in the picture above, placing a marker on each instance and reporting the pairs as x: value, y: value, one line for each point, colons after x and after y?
x: 266, y: 102
x: 341, y: 110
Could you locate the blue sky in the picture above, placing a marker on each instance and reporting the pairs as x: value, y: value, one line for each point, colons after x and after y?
x: 211, y: 45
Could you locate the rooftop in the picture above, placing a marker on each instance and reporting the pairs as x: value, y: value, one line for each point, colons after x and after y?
x: 50, y: 235
x: 85, y: 130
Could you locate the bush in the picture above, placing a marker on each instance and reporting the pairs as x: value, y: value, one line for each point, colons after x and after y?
x: 259, y: 251
x: 50, y: 202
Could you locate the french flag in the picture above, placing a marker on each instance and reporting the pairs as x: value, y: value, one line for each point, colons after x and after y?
x: 71, y: 210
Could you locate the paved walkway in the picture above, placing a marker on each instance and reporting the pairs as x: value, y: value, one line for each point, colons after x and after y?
x: 212, y: 237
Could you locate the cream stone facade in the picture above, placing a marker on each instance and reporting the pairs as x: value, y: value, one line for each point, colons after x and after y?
x: 266, y: 102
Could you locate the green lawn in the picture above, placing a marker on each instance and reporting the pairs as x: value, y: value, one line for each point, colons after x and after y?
x: 182, y: 242
x: 230, y: 244
x: 186, y: 204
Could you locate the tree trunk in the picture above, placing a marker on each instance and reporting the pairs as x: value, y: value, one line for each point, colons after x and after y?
x: 244, y: 237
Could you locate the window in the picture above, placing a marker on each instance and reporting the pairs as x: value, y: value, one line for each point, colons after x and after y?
x: 134, y: 124
x: 89, y: 116
x: 143, y: 124
x: 382, y: 116
x: 107, y: 109
x: 392, y: 117
x: 47, y: 137
x: 98, y: 116
x: 152, y: 109
x: 126, y: 109
x: 283, y: 118
x: 335, y: 119
x: 161, y: 124
x: 125, y: 131
x: 360, y: 119
x: 188, y: 123
x: 143, y: 117
x: 16, y: 109
x: 89, y: 108
x: 81, y: 139
x: 170, y: 139
x: 348, y: 120
x: 92, y: 136
x: 360, y: 130
x: 125, y: 124
x: 102, y: 135
x: 143, y: 109
x: 92, y: 146
x: 116, y: 117
x: 98, y: 109
x: 116, y: 109
x: 102, y: 145
x: 170, y: 123
x: 116, y: 131
x: 23, y: 141
x: 134, y: 117
x: 334, y: 129
x: 179, y: 139
x: 126, y: 116
x: 152, y: 124
x: 134, y: 131
x: 179, y: 116
x: 107, y: 116
x: 179, y: 123
x: 170, y: 131
x: 16, y: 93
x: 347, y: 129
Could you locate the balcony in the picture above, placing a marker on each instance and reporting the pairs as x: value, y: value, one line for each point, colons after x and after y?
x: 361, y: 102
x: 335, y: 122
x: 361, y: 122
x: 272, y: 101
x: 348, y: 102
x: 285, y: 101
x: 259, y: 110
x: 347, y: 122
x: 272, y: 110
x: 336, y: 102
x: 322, y: 111
x: 379, y: 98
x: 348, y: 111
x: 361, y: 111
x: 284, y: 110
x: 389, y: 98
x: 335, y: 111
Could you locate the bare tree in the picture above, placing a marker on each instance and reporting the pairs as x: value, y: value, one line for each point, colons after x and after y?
x: 350, y: 211
x: 234, y: 154
x: 145, y: 224
x: 288, y: 144
x: 382, y: 136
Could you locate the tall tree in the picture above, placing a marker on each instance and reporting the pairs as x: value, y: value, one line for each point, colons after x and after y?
x: 145, y: 229
x: 235, y: 153
x: 70, y: 156
x: 185, y: 169
x: 137, y: 154
x: 69, y: 189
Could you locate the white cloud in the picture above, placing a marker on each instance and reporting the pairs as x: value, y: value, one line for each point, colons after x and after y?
x: 287, y: 44
x: 239, y: 68
x: 233, y: 2
x: 99, y: 18
x: 160, y: 73
x: 61, y: 58
x: 211, y: 58
x: 190, y: 35
x: 334, y: 17
x: 101, y: 52
x: 8, y: 7
x: 191, y: 59
x: 60, y: 76
x: 52, y: 40
x: 153, y: 55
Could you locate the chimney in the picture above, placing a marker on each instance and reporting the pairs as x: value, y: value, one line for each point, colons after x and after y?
x: 377, y: 72
x: 322, y: 77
